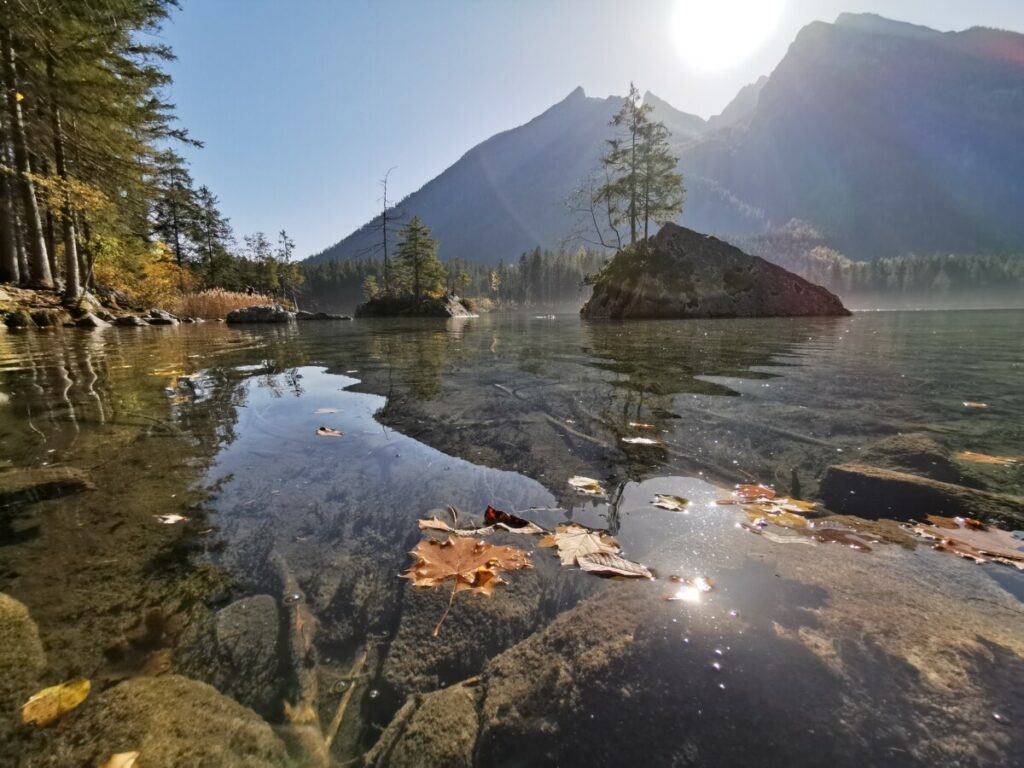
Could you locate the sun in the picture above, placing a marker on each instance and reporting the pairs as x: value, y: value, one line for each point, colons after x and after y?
x: 716, y: 35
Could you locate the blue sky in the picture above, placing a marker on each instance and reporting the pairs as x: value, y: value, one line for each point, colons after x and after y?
x: 304, y: 104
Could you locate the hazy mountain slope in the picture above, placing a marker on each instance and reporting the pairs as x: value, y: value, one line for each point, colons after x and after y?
x: 889, y: 137
x: 508, y: 194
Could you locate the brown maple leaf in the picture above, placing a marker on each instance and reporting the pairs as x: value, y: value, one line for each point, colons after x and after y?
x: 474, y: 565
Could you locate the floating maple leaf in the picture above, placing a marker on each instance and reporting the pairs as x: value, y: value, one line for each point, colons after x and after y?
x: 973, y: 540
x: 475, y: 566
x: 50, y: 704
x: 328, y: 432
x: 574, y: 541
x: 587, y: 485
x: 675, y: 503
x: 612, y: 565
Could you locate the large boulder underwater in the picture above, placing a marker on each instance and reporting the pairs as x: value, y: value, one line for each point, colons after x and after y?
x: 687, y: 274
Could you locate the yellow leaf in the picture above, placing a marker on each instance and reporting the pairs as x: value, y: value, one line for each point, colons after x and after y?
x: 984, y: 458
x: 19, y: 97
x: 121, y: 760
x: 51, y: 703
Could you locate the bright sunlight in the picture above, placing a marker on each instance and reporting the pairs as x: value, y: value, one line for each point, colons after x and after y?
x: 713, y: 37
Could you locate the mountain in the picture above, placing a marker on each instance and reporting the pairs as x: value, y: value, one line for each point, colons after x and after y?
x: 887, y: 137
x: 510, y: 193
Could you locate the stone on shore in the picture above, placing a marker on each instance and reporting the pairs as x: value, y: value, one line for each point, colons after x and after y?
x: 91, y: 321
x: 262, y: 313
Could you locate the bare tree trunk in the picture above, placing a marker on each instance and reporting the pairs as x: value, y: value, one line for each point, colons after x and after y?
x: 9, y: 270
x: 71, y: 278
x: 38, y: 266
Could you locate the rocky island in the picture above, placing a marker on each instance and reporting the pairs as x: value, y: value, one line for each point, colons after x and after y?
x: 686, y: 274
x: 411, y: 306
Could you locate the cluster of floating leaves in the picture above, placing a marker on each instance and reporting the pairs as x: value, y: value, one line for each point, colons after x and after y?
x: 763, y: 507
x: 972, y: 539
x: 476, y: 565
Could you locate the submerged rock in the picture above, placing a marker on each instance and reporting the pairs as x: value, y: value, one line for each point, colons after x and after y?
x: 169, y: 720
x: 246, y: 637
x: 409, y: 306
x: 22, y: 659
x: 875, y: 492
x: 263, y: 313
x: 29, y: 484
x: 687, y: 274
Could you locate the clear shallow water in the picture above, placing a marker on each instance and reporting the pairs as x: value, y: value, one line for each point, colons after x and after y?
x: 888, y: 647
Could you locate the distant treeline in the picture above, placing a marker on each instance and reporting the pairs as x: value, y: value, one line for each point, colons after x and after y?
x: 540, y: 278
x: 942, y: 279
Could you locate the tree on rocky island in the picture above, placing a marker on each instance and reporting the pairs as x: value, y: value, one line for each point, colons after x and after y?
x: 641, y: 183
x: 420, y: 272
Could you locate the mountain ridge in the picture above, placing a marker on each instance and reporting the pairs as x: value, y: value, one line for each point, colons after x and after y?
x: 887, y: 136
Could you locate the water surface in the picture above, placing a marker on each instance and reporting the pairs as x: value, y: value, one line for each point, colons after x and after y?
x: 906, y: 655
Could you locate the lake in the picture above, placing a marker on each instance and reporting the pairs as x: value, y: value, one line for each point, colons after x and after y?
x: 280, y: 586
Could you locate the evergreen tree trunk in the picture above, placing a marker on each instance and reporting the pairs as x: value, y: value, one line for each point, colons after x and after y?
x: 71, y: 277
x: 19, y: 244
x: 9, y: 270
x: 38, y: 265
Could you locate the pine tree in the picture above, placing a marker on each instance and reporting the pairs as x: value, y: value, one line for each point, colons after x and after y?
x: 421, y: 271
x: 641, y: 183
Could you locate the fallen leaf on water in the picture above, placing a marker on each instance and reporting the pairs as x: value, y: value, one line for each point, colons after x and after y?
x: 640, y: 425
x: 49, y: 704
x: 761, y: 516
x: 326, y: 410
x: 641, y: 441
x: 587, y: 485
x: 973, y: 404
x: 574, y: 540
x: 839, y: 536
x: 328, y: 432
x: 496, y: 519
x: 752, y: 492
x: 612, y: 565
x: 121, y: 760
x: 675, y: 503
x: 509, y: 522
x: 964, y: 537
x: 474, y: 566
x: 170, y: 519
x: 984, y: 458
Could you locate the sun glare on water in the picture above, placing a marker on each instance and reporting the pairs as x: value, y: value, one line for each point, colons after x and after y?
x: 715, y: 35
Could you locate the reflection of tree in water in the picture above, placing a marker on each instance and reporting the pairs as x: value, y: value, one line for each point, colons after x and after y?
x: 417, y: 356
